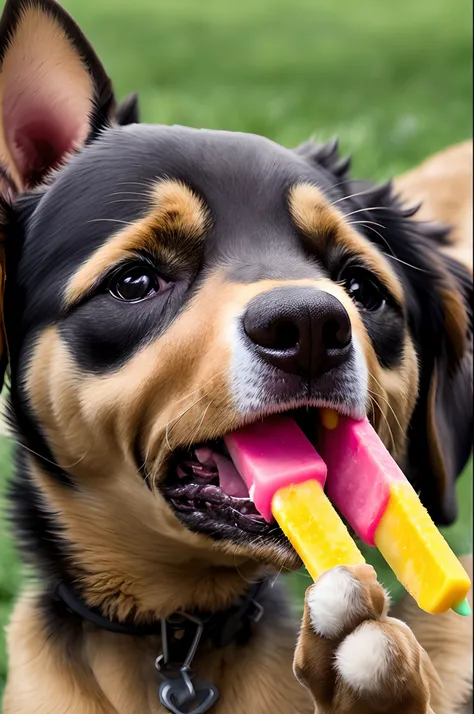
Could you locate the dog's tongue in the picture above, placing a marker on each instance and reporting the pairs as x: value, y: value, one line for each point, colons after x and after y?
x: 271, y: 454
x: 230, y: 481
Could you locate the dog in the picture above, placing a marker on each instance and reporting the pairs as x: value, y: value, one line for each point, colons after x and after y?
x: 165, y: 286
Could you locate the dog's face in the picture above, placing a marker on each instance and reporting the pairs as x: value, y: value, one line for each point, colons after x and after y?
x: 168, y: 285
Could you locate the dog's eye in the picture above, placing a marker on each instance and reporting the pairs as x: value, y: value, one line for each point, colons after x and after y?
x: 363, y: 288
x: 136, y: 283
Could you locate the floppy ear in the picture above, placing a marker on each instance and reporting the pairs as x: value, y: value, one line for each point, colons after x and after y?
x: 127, y: 111
x: 438, y: 293
x: 55, y: 96
x: 54, y: 91
x: 441, y: 432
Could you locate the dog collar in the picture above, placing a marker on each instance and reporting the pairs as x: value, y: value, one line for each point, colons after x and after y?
x: 181, y: 634
x: 221, y: 627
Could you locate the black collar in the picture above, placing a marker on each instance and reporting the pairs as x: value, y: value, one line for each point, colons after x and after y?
x: 235, y: 624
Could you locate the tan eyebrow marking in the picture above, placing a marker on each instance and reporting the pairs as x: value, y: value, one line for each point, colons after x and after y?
x: 322, y: 224
x: 173, y: 230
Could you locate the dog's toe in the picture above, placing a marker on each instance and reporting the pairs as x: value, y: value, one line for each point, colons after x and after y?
x: 344, y: 597
x: 365, y: 657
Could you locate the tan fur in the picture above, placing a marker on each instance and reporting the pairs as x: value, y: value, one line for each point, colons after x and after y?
x: 322, y: 223
x: 172, y: 230
x: 444, y: 185
x: 455, y: 320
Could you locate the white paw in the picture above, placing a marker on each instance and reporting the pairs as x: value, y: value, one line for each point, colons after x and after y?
x: 335, y: 600
x: 365, y: 657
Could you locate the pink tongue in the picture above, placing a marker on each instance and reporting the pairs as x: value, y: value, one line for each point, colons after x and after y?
x: 230, y: 480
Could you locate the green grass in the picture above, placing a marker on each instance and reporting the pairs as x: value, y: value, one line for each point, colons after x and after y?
x: 392, y: 79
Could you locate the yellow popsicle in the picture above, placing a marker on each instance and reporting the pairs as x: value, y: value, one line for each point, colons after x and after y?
x: 418, y: 554
x: 314, y: 528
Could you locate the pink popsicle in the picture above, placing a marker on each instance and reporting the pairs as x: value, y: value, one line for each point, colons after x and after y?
x: 272, y: 454
x: 361, y: 471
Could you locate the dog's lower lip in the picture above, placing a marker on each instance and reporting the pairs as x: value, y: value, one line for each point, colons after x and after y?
x: 193, y: 489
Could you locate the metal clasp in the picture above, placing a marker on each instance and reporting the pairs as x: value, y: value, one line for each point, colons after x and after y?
x: 181, y: 692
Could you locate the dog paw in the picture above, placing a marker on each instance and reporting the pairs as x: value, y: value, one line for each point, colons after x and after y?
x: 352, y: 656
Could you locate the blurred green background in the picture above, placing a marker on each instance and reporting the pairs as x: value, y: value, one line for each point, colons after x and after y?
x: 393, y: 80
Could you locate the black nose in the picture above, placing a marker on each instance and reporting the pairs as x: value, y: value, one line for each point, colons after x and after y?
x: 300, y: 330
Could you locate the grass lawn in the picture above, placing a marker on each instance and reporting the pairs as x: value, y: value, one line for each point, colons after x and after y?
x: 393, y: 80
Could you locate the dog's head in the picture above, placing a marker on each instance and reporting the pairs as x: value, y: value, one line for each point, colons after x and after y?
x: 167, y: 285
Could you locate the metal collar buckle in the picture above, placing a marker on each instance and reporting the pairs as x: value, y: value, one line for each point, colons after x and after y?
x: 181, y: 692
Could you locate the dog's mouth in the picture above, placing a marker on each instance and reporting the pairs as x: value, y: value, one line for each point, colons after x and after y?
x: 208, y: 495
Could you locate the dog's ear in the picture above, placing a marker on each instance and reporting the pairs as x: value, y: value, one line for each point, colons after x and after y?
x: 54, y: 91
x: 441, y: 432
x: 438, y: 293
x: 127, y: 111
x: 55, y: 96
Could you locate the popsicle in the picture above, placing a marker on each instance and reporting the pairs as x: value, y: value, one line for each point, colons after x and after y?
x: 285, y: 477
x: 372, y: 493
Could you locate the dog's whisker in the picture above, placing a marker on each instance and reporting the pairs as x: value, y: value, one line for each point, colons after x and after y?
x: 145, y: 184
x: 129, y: 193
x: 367, y: 223
x: 380, y: 396
x: 246, y: 580
x: 121, y: 200
x: 175, y: 420
x: 375, y: 405
x: 390, y: 255
x: 49, y: 461
x: 213, y: 377
x: 278, y: 575
x: 352, y: 195
x: 366, y: 210
x: 372, y: 376
x: 110, y: 220
x: 408, y: 265
x: 201, y: 422
x: 370, y: 228
x: 402, y: 431
x: 375, y: 402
